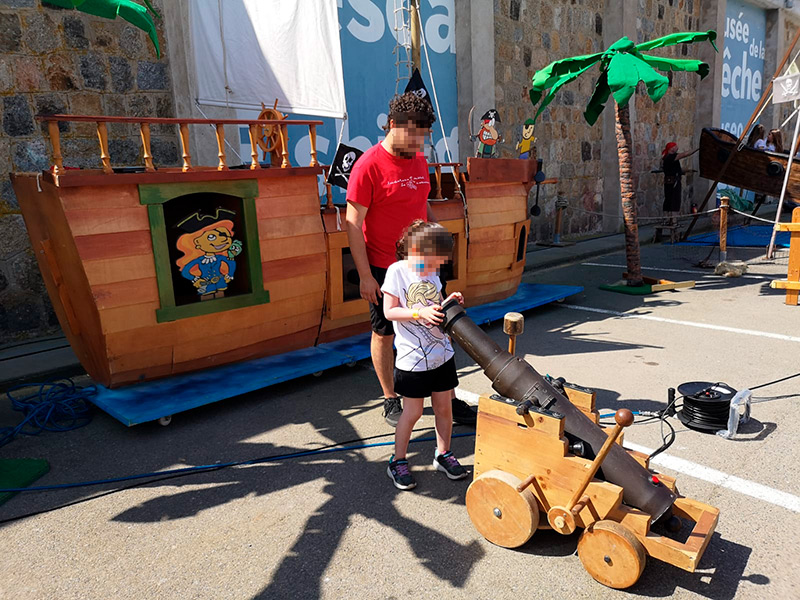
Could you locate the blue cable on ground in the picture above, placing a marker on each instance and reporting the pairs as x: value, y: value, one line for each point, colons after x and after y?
x: 200, y: 468
x: 55, y: 406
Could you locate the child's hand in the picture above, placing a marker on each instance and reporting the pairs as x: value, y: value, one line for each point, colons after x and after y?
x: 432, y: 314
x: 457, y: 295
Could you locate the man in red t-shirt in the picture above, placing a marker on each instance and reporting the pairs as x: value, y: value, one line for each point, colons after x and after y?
x: 387, y: 190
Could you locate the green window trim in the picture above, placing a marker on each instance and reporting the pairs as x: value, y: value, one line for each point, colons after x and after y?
x: 154, y: 196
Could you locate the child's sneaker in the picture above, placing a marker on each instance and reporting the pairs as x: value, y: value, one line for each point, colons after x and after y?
x: 400, y: 475
x: 447, y: 462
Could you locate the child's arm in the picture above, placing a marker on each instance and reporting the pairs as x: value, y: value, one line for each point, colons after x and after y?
x: 394, y: 312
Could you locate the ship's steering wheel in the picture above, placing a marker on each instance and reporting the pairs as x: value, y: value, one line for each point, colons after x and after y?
x: 270, y: 138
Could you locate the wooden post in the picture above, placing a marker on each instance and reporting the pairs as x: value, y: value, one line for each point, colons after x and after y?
x: 254, y: 131
x: 102, y: 135
x: 223, y: 166
x: 328, y: 194
x: 513, y: 325
x: 557, y: 233
x: 792, y: 282
x: 55, y: 140
x: 438, y: 176
x: 144, y: 131
x: 187, y: 158
x: 312, y: 136
x: 284, y: 150
x: 723, y: 228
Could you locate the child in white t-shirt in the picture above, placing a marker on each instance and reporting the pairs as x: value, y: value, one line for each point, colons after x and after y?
x: 412, y: 299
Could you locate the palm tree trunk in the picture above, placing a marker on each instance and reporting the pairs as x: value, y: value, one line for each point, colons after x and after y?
x: 629, y: 209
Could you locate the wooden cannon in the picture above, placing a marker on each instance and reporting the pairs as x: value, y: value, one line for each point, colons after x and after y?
x: 532, y: 474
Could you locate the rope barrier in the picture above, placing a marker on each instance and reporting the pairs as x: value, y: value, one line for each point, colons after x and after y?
x: 660, y: 218
x: 749, y: 216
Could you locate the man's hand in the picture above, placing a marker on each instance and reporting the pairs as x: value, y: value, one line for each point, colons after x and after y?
x: 370, y: 289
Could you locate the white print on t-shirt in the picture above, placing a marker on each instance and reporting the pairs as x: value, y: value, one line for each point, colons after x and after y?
x: 411, y: 182
x: 421, y: 345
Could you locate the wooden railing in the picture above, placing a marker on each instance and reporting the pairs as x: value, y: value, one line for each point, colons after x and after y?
x: 256, y: 132
x: 792, y: 282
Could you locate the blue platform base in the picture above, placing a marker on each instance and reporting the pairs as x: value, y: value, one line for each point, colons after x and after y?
x: 750, y: 236
x: 152, y: 400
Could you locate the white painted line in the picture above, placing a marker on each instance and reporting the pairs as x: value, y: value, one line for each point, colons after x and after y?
x: 731, y: 482
x: 690, y: 271
x: 602, y: 311
x: 468, y: 397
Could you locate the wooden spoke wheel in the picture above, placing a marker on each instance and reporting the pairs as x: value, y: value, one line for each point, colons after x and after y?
x: 611, y: 554
x: 500, y: 513
x: 270, y: 138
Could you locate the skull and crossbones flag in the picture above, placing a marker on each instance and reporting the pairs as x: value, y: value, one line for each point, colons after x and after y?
x: 342, y: 166
x: 417, y: 86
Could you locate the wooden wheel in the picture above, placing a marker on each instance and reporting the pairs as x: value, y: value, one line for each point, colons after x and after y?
x: 269, y: 139
x: 499, y: 512
x: 611, y: 554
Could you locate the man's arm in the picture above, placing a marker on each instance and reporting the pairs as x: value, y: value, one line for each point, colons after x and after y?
x: 354, y: 218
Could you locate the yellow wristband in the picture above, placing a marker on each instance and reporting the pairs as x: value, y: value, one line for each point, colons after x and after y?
x: 415, y: 315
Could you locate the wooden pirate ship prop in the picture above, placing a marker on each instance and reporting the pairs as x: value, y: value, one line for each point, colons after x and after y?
x: 759, y: 171
x: 157, y: 271
x: 542, y: 461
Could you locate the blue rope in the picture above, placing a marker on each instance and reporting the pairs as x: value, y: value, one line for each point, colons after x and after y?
x: 214, y: 467
x: 55, y: 406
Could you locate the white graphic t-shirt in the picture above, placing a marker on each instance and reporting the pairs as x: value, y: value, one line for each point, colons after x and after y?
x: 421, y: 345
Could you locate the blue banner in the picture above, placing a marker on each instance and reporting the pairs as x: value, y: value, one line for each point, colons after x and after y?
x: 743, y: 64
x: 369, y: 34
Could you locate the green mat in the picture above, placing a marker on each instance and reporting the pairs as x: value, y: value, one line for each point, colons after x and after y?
x: 20, y: 472
x: 624, y: 288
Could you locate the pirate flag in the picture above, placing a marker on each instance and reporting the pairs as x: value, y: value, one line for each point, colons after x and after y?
x: 417, y: 87
x: 346, y: 157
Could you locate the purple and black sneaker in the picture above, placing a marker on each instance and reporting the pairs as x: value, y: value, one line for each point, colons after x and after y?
x: 450, y: 466
x: 400, y: 475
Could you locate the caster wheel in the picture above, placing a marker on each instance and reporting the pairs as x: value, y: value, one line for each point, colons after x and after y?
x: 561, y: 300
x: 318, y: 373
x: 352, y: 363
x: 164, y: 421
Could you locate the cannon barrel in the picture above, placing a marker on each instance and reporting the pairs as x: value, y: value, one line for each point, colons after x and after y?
x: 514, y: 378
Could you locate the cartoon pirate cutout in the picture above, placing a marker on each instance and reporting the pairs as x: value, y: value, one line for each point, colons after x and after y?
x: 209, y: 253
x: 487, y: 136
x: 525, y: 145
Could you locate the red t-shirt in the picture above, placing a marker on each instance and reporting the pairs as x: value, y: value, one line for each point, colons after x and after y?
x: 395, y: 190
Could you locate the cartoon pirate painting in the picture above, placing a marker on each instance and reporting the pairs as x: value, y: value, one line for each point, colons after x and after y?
x: 209, y: 253
x: 525, y: 145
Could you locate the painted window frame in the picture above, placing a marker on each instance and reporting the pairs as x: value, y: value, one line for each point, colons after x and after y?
x: 154, y: 195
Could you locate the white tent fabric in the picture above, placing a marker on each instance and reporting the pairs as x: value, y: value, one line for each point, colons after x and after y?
x: 253, y: 51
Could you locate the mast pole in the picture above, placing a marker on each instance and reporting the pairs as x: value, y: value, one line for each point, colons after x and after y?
x: 413, y: 13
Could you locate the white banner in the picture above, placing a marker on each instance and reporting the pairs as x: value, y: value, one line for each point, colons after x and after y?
x: 253, y: 51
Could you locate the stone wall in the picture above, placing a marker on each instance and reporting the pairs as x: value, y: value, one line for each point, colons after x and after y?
x: 63, y: 61
x: 529, y: 35
x: 672, y: 119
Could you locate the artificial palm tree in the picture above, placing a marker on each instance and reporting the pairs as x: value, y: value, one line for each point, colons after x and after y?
x: 622, y: 67
x: 134, y: 13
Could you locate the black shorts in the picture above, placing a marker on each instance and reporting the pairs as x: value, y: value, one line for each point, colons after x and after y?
x: 380, y: 324
x: 420, y: 384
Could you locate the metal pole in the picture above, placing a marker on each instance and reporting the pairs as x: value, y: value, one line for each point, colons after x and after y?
x: 771, y: 247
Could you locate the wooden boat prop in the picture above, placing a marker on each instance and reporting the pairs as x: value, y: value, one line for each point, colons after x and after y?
x: 156, y: 271
x: 756, y: 170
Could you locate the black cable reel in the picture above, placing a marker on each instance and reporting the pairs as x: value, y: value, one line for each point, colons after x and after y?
x: 706, y: 405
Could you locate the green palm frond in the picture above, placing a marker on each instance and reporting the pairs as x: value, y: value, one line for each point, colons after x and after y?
x: 622, y: 67
x: 134, y: 13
